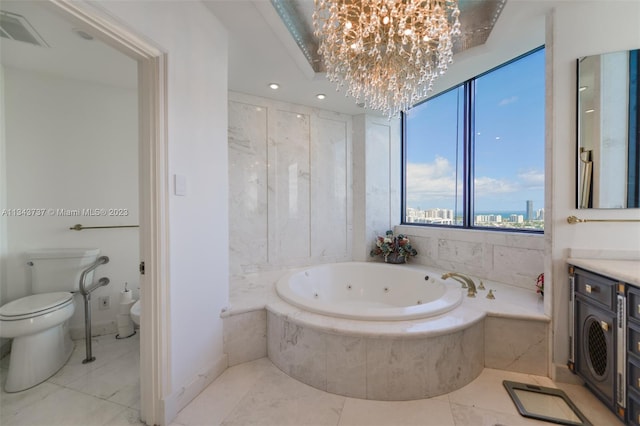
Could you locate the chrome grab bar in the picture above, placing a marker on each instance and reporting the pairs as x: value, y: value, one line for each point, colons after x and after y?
x: 83, y: 277
x: 86, y: 294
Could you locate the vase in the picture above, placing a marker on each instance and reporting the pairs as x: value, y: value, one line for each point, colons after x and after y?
x: 395, y: 258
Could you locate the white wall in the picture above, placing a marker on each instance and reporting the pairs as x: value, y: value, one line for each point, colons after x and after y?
x: 71, y: 145
x: 290, y: 185
x: 196, y: 46
x: 581, y: 29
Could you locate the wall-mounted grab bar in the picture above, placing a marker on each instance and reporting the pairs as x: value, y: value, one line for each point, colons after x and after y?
x: 573, y: 220
x: 86, y: 294
x: 79, y: 227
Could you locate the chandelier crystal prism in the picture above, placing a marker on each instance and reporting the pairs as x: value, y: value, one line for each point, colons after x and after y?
x: 386, y: 52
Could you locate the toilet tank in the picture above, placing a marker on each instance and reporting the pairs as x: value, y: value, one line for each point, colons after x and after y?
x: 59, y: 269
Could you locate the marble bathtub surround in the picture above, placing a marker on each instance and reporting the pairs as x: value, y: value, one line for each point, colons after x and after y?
x: 511, y: 258
x: 388, y: 360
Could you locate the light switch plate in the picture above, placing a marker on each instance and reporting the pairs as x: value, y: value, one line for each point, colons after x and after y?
x: 180, y: 185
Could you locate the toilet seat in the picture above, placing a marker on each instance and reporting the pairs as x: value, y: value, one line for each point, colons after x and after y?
x: 35, y: 305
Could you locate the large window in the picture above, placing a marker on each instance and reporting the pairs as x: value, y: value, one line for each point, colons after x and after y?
x: 474, y: 155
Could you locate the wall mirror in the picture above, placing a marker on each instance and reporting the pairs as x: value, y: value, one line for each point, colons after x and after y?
x: 608, y: 172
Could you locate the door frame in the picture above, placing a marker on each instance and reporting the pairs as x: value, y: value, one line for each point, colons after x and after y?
x: 155, y: 350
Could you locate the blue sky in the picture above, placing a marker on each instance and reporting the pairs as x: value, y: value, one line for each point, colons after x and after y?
x: 509, y: 145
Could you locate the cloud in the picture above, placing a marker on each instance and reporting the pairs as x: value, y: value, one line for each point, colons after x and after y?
x: 532, y: 179
x: 429, y: 182
x: 507, y: 101
x: 490, y: 186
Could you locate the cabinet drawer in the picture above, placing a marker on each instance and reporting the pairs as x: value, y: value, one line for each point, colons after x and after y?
x: 633, y: 302
x: 633, y: 409
x: 596, y: 287
x: 633, y: 373
x: 633, y: 339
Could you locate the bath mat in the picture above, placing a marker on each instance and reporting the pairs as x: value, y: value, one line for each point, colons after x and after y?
x: 548, y: 404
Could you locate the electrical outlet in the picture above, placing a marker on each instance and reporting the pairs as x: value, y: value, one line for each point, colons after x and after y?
x: 104, y: 303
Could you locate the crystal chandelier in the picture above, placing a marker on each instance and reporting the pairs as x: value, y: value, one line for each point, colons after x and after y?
x: 387, y: 52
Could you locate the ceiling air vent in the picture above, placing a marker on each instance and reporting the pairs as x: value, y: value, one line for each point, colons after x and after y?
x: 16, y: 27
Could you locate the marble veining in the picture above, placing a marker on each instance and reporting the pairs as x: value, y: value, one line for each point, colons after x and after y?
x: 290, y: 179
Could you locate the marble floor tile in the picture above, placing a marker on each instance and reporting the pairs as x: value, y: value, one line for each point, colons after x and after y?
x: 425, y: 412
x: 126, y: 418
x: 223, y: 395
x: 278, y: 400
x: 13, y: 403
x: 108, y: 380
x: 257, y: 393
x: 78, y: 393
x: 465, y: 415
x: 105, y: 349
x: 475, y: 394
x: 589, y: 405
x: 66, y: 407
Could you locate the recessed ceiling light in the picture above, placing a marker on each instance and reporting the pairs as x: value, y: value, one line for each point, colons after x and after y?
x: 321, y: 96
x: 274, y: 86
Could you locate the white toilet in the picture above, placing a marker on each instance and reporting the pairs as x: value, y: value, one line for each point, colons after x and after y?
x: 135, y: 313
x: 38, y: 323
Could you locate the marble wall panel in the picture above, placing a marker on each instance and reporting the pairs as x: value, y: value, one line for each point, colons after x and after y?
x: 517, y: 266
x: 289, y: 176
x: 513, y: 259
x: 397, y: 369
x: 330, y: 185
x: 297, y: 350
x: 247, y: 185
x: 378, y: 176
x: 517, y: 345
x: 290, y: 173
x: 346, y: 365
x: 456, y: 359
x: 245, y: 336
x: 461, y: 252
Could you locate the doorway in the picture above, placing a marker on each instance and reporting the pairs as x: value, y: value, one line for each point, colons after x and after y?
x: 89, y: 23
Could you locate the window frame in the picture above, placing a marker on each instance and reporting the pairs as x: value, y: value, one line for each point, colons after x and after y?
x: 468, y: 189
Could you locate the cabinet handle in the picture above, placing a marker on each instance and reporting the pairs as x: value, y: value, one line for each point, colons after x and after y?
x: 595, y: 289
x: 604, y: 325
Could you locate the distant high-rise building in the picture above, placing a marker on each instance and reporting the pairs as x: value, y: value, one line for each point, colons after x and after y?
x: 529, y: 215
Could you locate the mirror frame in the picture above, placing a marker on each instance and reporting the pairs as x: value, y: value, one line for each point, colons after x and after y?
x: 584, y: 191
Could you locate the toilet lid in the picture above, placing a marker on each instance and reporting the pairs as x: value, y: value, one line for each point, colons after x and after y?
x: 35, y: 304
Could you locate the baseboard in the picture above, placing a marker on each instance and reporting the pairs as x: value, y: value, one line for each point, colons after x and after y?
x: 561, y: 373
x: 185, y: 394
x: 97, y: 329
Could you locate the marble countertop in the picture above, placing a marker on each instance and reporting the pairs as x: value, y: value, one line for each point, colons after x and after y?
x: 627, y: 271
x: 257, y: 291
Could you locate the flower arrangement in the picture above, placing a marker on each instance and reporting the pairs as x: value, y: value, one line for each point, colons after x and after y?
x: 540, y: 284
x: 395, y: 249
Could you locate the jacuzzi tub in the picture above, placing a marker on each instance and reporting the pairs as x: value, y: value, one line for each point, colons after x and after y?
x: 370, y: 291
